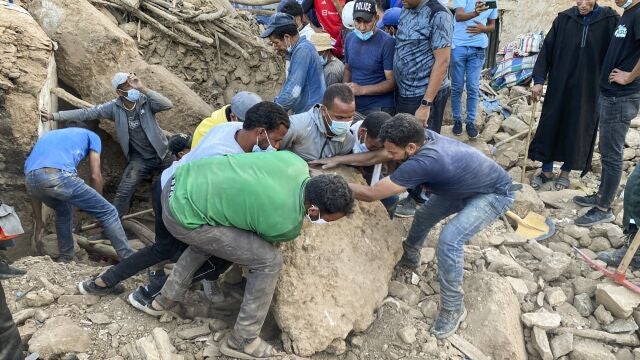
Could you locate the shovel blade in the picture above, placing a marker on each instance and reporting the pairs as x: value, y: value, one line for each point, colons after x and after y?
x: 535, y: 227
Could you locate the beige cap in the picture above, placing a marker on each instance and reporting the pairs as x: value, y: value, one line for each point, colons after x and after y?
x: 322, y: 41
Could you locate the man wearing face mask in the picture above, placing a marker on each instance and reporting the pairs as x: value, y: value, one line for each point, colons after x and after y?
x: 265, y: 200
x: 477, y: 190
x: 294, y: 9
x: 323, y: 131
x: 368, y: 55
x: 333, y: 68
x: 305, y: 80
x: 264, y: 126
x: 142, y: 140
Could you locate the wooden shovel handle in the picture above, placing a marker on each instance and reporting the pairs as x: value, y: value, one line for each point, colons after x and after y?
x: 624, y: 264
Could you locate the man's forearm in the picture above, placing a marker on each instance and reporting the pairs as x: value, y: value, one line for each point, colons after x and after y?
x: 362, y: 192
x: 380, y: 88
x: 436, y: 79
x: 97, y: 184
x: 363, y: 159
x: 464, y: 16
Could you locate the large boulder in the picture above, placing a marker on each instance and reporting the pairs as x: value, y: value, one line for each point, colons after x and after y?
x: 493, y: 309
x: 58, y: 336
x: 335, y: 276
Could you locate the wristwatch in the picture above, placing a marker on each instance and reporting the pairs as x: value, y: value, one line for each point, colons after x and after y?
x: 426, y: 103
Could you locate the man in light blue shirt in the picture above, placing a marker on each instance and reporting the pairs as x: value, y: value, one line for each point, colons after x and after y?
x: 474, y: 19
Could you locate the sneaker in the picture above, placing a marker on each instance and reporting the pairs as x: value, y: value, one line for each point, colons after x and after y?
x: 614, y: 257
x: 139, y: 299
x: 595, y: 216
x: 447, y: 322
x: 472, y: 132
x: 65, y: 259
x: 89, y: 287
x: 410, y: 257
x: 8, y: 272
x: 405, y: 207
x: 587, y: 201
x: 457, y: 128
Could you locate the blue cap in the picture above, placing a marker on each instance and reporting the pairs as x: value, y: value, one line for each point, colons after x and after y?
x: 275, y: 21
x: 391, y: 17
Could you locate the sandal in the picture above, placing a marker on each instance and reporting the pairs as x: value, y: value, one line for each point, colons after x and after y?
x: 539, y: 180
x: 562, y: 183
x: 249, y: 349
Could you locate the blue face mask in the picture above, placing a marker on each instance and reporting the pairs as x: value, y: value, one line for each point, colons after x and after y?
x: 133, y: 95
x: 289, y: 47
x: 360, y: 147
x: 257, y: 148
x: 627, y: 4
x: 339, y: 128
x: 363, y: 36
x: 323, y: 60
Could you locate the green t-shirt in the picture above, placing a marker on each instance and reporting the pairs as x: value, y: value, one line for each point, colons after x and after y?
x: 259, y: 192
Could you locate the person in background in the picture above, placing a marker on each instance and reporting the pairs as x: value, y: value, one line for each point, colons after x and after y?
x: 474, y: 20
x: 180, y: 145
x: 329, y: 13
x: 568, y: 124
x: 368, y: 56
x: 305, y: 79
x: 293, y: 8
x: 236, y: 111
x: 619, y: 103
x: 143, y: 142
x: 389, y: 21
x: 421, y: 62
x: 332, y: 66
x: 51, y: 177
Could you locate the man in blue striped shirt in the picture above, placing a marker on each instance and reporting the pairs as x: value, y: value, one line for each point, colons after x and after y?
x: 421, y: 62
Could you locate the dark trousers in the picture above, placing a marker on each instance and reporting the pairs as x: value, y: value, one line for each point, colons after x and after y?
x: 136, y: 170
x: 10, y: 342
x: 615, y: 115
x: 166, y: 247
x: 409, y: 105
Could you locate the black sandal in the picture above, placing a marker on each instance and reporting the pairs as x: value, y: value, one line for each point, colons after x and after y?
x: 539, y: 181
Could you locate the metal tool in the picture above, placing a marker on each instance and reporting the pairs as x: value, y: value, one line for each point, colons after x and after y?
x: 617, y: 276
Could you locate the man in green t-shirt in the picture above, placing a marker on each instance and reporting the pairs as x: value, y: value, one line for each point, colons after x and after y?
x: 236, y: 207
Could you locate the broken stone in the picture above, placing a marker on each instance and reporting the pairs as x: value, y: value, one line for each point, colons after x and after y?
x: 519, y: 287
x: 582, y: 303
x: 617, y: 299
x: 429, y: 308
x: 217, y: 325
x: 570, y: 316
x: 599, y: 244
x: 407, y: 334
x: 26, y: 332
x: 41, y: 315
x: 575, y: 231
x: 538, y: 250
x: 427, y: 255
x: 621, y: 326
x: 590, y: 350
x: 493, y: 309
x: 544, y: 320
x: 584, y: 286
x: 39, y: 298
x: 192, y: 333
x: 560, y: 247
x: 59, y: 335
x: 357, y: 341
x: 541, y: 343
x: 21, y: 316
x: 78, y: 299
x: 632, y: 139
x: 99, y: 318
x: 554, y: 265
x: 624, y: 354
x: 636, y: 353
x: 505, y: 265
x: 211, y: 351
x: 514, y: 125
x: 513, y: 239
x: 562, y: 345
x: 337, y: 347
x: 562, y: 199
x: 602, y: 315
x: 555, y: 296
x: 527, y: 200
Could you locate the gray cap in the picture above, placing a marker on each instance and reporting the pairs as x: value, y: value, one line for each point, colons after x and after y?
x: 243, y: 101
x: 119, y: 78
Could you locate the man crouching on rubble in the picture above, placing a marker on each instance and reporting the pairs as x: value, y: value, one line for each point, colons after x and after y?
x: 237, y: 207
x: 460, y: 180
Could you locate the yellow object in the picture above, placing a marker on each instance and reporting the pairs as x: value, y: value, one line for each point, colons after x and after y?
x: 533, y: 226
x: 217, y: 117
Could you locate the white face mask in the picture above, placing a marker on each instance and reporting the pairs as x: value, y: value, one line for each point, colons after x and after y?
x: 320, y: 220
x: 627, y: 4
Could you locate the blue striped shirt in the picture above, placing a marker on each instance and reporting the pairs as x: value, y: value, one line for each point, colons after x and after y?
x: 422, y: 30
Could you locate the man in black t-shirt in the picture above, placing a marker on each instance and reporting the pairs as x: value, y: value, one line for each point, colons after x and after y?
x: 619, y: 103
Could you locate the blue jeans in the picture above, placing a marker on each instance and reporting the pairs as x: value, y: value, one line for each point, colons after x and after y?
x: 137, y: 169
x: 466, y: 60
x: 615, y: 115
x: 60, y: 190
x: 409, y: 105
x: 474, y: 214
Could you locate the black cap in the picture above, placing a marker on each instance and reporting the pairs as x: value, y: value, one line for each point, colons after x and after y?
x: 364, y: 9
x: 179, y: 142
x: 275, y: 21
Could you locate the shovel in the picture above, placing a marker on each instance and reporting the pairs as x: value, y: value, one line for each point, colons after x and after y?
x: 618, y: 275
x: 534, y: 226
